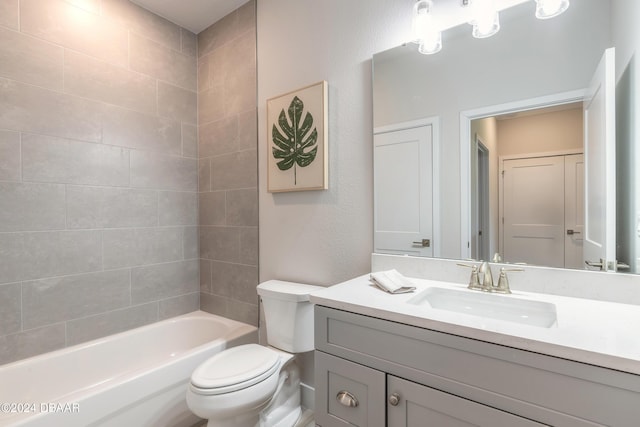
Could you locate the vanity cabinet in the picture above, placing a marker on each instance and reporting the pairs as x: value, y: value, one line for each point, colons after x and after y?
x: 373, y: 372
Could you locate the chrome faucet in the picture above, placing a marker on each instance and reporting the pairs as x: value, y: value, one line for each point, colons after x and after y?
x: 482, y: 278
x: 486, y: 278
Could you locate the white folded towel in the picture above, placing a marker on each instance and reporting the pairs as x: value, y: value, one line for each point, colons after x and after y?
x: 392, y: 282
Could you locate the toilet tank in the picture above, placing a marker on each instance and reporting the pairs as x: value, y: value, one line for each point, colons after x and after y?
x: 288, y: 314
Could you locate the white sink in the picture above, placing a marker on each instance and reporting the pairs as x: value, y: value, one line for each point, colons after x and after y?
x: 498, y: 307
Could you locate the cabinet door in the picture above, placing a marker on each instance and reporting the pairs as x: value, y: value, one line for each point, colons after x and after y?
x: 348, y: 394
x: 414, y: 405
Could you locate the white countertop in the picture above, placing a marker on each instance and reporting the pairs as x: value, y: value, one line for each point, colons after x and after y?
x: 598, y: 333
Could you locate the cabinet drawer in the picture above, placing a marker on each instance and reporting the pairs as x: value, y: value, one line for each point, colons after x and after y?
x: 363, y: 387
x: 420, y: 406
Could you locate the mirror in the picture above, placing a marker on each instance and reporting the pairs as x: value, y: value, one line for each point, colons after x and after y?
x: 530, y: 63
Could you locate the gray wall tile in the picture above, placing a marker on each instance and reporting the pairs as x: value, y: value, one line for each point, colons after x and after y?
x: 249, y: 245
x: 204, y: 174
x: 236, y: 170
x: 205, y: 275
x: 160, y: 281
x: 177, y: 103
x: 97, y: 207
x: 248, y: 129
x: 203, y: 74
x: 220, y: 243
x: 90, y: 78
x: 189, y: 42
x: 176, y: 306
x: 235, y: 281
x: 84, y: 102
x: 58, y: 299
x: 226, y: 29
x: 140, y: 246
x: 89, y: 328
x: 10, y: 308
x: 210, y: 105
x: 106, y: 40
x: 26, y: 206
x: 242, y: 207
x: 212, y: 208
x: 127, y: 128
x: 37, y: 255
x: 165, y: 64
x: 50, y: 159
x: 29, y: 343
x: 10, y: 13
x: 30, y: 60
x: 190, y: 241
x: 178, y: 208
x: 149, y: 170
x: 218, y: 137
x: 189, y: 140
x: 226, y: 307
x: 240, y: 91
x: 143, y: 22
x: 33, y: 109
x: 9, y: 156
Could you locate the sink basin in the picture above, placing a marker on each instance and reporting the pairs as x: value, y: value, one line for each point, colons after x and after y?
x: 499, y: 307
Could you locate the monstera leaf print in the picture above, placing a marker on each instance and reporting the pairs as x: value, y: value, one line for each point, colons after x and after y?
x: 297, y: 144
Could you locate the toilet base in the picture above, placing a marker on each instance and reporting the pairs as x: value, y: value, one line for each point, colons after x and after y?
x: 283, y: 410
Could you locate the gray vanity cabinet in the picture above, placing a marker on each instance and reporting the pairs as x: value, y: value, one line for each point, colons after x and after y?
x: 371, y: 372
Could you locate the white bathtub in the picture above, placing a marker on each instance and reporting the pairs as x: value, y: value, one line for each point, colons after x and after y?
x: 132, y: 379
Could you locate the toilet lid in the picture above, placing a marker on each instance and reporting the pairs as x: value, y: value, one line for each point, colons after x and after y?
x: 236, y: 368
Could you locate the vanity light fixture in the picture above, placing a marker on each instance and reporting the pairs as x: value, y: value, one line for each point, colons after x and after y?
x: 546, y: 9
x: 486, y: 21
x: 425, y: 33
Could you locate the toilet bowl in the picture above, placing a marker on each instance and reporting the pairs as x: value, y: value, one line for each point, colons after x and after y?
x: 253, y: 385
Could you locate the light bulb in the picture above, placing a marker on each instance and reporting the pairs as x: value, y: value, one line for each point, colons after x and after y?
x: 486, y: 25
x: 546, y: 9
x: 431, y: 44
x: 425, y: 32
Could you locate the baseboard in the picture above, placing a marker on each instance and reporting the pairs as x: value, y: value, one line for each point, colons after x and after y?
x: 308, y: 395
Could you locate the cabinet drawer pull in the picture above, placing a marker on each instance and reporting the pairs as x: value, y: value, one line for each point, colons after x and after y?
x: 347, y: 399
x: 394, y: 399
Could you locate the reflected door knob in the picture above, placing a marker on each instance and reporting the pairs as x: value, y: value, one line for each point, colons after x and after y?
x: 394, y: 399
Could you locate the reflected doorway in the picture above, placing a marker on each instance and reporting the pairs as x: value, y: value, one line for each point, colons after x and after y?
x: 521, y: 205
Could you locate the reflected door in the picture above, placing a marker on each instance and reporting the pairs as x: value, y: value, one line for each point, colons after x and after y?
x: 403, y: 191
x: 533, y: 209
x: 599, y: 156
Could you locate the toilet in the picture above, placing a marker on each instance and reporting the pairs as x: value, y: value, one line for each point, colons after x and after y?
x: 253, y: 385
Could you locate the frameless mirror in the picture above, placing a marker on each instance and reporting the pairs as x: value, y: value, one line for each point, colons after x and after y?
x: 449, y: 127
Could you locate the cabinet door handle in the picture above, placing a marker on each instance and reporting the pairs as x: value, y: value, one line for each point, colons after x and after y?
x: 347, y: 399
x: 394, y: 399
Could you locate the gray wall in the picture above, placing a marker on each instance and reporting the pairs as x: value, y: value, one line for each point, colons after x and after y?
x: 228, y: 178
x: 98, y: 172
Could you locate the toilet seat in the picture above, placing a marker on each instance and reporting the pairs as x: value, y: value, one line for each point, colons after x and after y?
x: 235, y: 369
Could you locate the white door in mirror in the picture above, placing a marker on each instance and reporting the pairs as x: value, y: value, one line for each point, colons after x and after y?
x: 600, y: 162
x: 403, y: 191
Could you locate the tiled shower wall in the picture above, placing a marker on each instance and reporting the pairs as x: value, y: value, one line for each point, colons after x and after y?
x: 98, y: 173
x: 227, y: 166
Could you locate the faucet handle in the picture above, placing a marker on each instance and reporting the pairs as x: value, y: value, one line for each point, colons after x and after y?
x: 474, y: 281
x: 503, y: 280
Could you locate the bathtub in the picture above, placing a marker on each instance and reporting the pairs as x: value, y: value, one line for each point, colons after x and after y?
x: 134, y: 378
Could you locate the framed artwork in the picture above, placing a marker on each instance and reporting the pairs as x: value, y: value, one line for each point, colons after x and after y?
x: 297, y: 138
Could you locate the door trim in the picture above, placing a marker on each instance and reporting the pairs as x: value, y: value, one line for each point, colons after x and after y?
x: 465, y: 148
